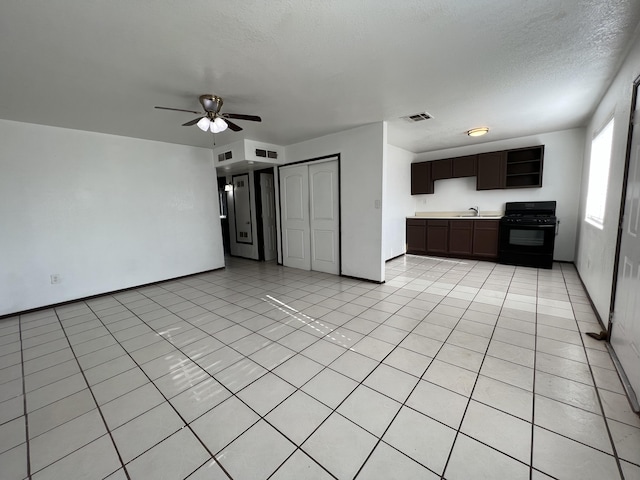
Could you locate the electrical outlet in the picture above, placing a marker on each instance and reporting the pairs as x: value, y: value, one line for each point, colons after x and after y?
x: 55, y: 278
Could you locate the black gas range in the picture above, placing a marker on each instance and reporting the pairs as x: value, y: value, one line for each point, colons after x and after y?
x: 527, y: 234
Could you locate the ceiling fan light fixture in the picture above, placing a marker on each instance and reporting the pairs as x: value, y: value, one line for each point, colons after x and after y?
x: 203, y: 124
x: 221, y: 124
x: 478, y: 132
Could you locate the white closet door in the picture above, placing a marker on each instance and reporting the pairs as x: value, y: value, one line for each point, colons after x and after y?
x: 324, y: 217
x: 294, y: 195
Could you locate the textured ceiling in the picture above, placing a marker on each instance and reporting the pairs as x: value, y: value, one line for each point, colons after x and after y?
x: 311, y: 67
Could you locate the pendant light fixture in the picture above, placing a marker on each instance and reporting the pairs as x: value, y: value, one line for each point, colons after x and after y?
x: 217, y: 125
x: 203, y: 124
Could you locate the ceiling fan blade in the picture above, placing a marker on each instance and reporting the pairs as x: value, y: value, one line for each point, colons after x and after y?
x: 192, y: 122
x: 177, y: 110
x: 239, y: 116
x: 233, y: 126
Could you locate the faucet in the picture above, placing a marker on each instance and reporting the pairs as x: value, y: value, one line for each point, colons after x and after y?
x: 476, y: 210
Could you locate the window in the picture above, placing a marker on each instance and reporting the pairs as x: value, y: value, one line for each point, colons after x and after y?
x: 599, y: 175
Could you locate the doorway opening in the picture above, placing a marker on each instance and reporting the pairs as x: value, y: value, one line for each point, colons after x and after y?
x: 224, y: 215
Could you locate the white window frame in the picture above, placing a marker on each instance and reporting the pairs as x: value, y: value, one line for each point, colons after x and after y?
x: 599, y: 166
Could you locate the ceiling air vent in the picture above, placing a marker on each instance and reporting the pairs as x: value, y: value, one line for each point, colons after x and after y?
x: 271, y: 154
x: 418, y: 117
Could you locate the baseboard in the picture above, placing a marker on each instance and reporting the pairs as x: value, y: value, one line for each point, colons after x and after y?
x: 112, y: 292
x: 362, y: 279
x: 397, y: 256
x: 631, y: 396
x: 593, y: 307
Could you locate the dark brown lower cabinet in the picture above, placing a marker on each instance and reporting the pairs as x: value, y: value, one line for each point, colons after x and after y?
x: 453, y: 238
x: 460, y: 237
x: 485, y: 239
x: 438, y: 237
x: 416, y: 236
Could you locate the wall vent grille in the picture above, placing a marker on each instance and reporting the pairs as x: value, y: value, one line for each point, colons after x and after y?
x: 225, y: 156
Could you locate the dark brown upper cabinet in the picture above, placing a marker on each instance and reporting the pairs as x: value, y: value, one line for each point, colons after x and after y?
x: 464, y: 166
x: 421, y: 181
x: 491, y: 171
x: 441, y: 169
x: 515, y: 168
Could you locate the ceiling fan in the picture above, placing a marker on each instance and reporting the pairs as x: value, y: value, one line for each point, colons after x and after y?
x: 211, y: 118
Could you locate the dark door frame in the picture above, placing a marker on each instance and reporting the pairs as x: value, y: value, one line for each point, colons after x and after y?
x: 623, y: 197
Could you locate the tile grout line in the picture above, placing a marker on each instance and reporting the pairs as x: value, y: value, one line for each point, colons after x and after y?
x: 186, y: 424
x: 96, y: 403
x: 533, y: 393
x: 24, y: 402
x: 333, y: 410
x: 600, y: 403
x: 403, y: 404
x: 458, y: 431
x: 235, y: 322
x: 263, y: 417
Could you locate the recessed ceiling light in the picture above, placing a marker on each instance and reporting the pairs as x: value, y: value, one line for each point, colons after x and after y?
x: 478, y: 132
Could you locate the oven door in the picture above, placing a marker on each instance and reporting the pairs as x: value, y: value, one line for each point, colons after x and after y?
x: 527, y: 238
x: 527, y: 245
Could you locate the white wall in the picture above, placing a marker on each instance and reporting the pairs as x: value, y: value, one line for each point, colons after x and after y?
x: 562, y: 171
x: 104, y: 212
x: 361, y: 168
x: 596, y: 248
x: 397, y: 203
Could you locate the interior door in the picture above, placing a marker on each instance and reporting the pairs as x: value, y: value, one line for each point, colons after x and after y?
x: 294, y: 194
x: 625, y: 326
x: 242, y: 209
x: 324, y: 221
x: 268, y: 199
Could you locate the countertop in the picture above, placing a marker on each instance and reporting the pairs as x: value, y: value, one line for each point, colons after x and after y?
x: 489, y: 215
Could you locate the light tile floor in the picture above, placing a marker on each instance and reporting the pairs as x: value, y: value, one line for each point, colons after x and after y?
x: 452, y: 369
